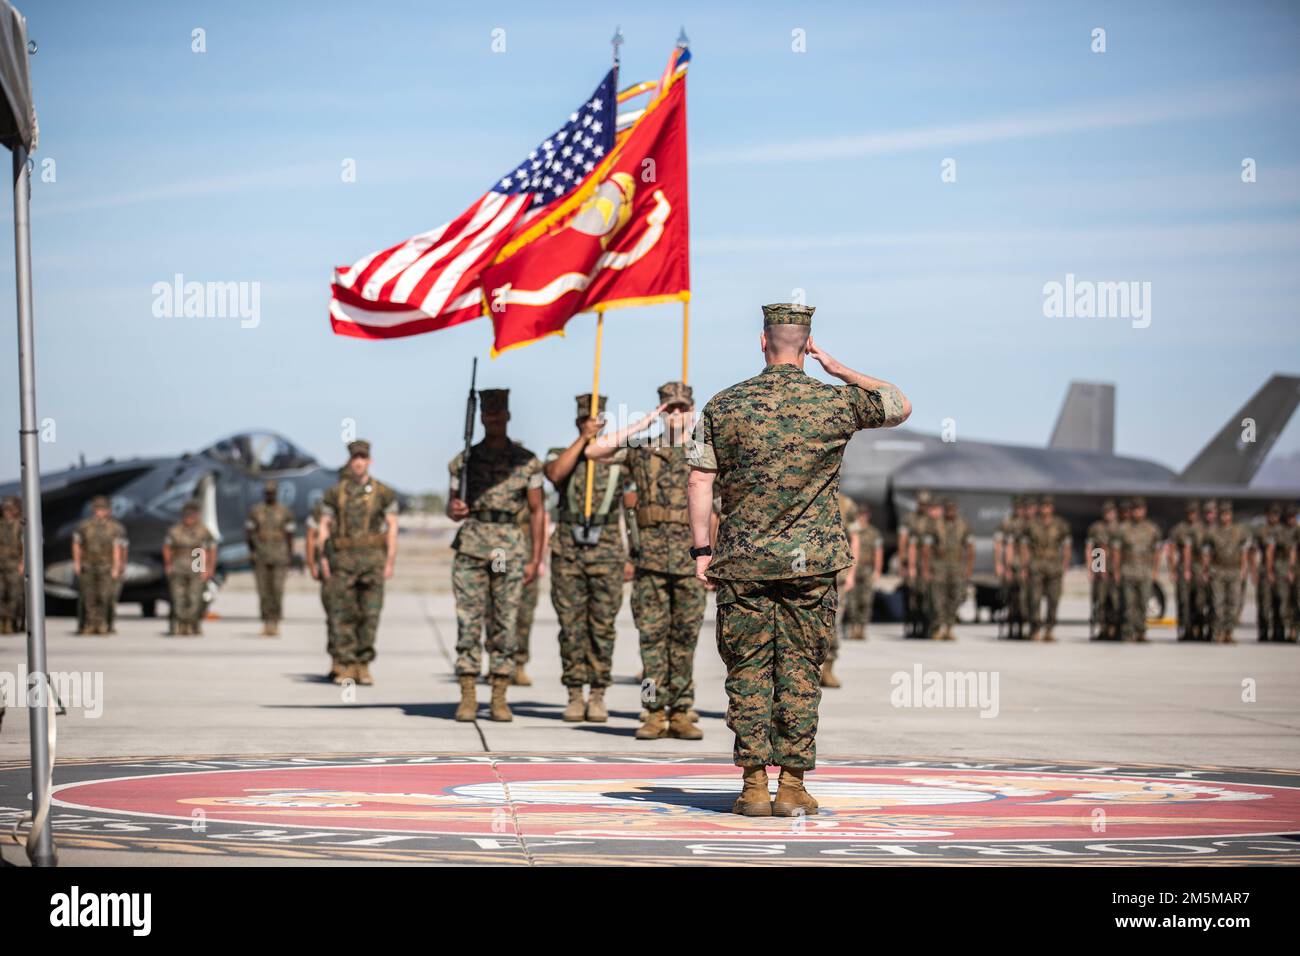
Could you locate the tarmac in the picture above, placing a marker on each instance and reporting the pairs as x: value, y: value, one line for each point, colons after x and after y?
x: 1073, y: 703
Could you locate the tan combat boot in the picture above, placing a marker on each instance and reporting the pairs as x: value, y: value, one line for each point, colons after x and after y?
x: 500, y: 710
x: 792, y: 799
x: 680, y: 726
x: 828, y: 676
x: 654, y: 727
x: 266, y: 628
x: 346, y: 673
x: 693, y: 715
x: 521, y: 678
x: 1048, y: 635
x: 577, y: 708
x: 597, y: 712
x: 335, y: 669
x: 857, y: 633
x: 363, y: 675
x: 754, y: 800
x: 468, y: 708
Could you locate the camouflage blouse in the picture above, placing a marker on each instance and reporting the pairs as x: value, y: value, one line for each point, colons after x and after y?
x: 659, y: 476
x: 499, y: 480
x: 776, y: 442
x: 267, y: 526
x: 97, y: 537
x: 184, y: 542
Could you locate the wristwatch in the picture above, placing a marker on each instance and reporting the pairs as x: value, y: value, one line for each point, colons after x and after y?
x: 704, y: 552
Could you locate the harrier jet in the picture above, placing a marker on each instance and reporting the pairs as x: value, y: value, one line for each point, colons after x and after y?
x: 885, y: 469
x: 147, y: 494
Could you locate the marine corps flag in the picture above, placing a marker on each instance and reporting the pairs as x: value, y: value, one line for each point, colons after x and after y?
x: 620, y: 239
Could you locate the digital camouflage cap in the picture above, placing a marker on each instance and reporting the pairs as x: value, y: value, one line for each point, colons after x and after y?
x: 676, y: 393
x: 100, y: 501
x: 787, y: 313
x: 584, y: 405
x: 359, y: 449
x: 495, y: 399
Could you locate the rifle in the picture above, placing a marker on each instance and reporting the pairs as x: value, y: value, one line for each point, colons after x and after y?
x: 471, y: 405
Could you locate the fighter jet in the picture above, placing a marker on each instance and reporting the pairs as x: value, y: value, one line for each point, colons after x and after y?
x: 147, y: 494
x: 1079, y: 467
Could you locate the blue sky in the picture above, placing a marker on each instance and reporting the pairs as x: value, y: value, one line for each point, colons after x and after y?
x: 817, y: 170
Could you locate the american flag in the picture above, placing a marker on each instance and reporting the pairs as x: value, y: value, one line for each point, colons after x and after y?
x: 431, y: 281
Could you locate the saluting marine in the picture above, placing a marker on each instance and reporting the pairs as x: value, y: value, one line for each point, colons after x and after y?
x: 587, y: 562
x: 1045, y: 551
x: 1224, y: 560
x: 12, y: 598
x: 359, y: 524
x: 190, y: 556
x: 495, y: 557
x: 99, y: 550
x: 773, y: 444
x: 270, y: 527
x: 1180, y: 551
x: 667, y: 599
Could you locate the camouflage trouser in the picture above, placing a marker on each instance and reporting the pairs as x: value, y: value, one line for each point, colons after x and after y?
x: 1044, y: 586
x: 668, y: 610
x: 486, y: 599
x: 1101, y: 589
x: 773, y: 637
x: 926, y: 606
x: 360, y: 599
x: 1270, y: 597
x: 186, y: 597
x: 270, y: 588
x: 949, y: 590
x: 1135, y: 593
x: 524, y: 618
x: 12, y: 598
x: 857, y: 603
x: 1183, y: 596
x: 1290, y: 606
x: 98, y: 589
x: 586, y: 598
x: 833, y: 648
x: 1225, y: 600
x: 329, y: 599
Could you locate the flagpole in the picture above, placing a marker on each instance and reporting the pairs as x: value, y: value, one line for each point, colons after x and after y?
x: 686, y: 336
x: 595, y: 404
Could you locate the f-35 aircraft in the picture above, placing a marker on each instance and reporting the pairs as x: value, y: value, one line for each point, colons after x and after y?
x: 1079, y: 467
x: 147, y: 494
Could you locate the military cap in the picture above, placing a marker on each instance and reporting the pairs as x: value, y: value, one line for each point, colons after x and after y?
x: 1275, y: 508
x: 495, y: 399
x: 1210, y: 505
x: 923, y: 497
x: 190, y: 508
x: 100, y: 501
x: 1125, y: 504
x: 1046, y: 500
x: 1291, y: 510
x: 676, y: 393
x: 1192, y: 505
x: 584, y: 405
x: 359, y: 449
x: 1138, y: 502
x: 787, y: 313
x: 949, y: 503
x: 1225, y: 504
x: 1109, y: 505
x: 12, y: 501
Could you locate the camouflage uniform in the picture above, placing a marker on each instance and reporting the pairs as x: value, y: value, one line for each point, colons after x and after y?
x: 776, y: 442
x: 358, y: 521
x: 1047, y: 539
x: 1286, y: 569
x: 587, y: 579
x: 1182, y: 538
x: 1223, y: 547
x: 952, y: 539
x: 857, y: 614
x: 667, y: 599
x: 185, y: 576
x: 1268, y: 589
x: 492, y: 548
x: 97, y: 537
x: 1202, y: 593
x: 329, y: 586
x: 849, y: 517
x: 268, y: 527
x: 12, y: 598
x: 1103, y: 591
x: 1137, y: 542
x: 1009, y: 535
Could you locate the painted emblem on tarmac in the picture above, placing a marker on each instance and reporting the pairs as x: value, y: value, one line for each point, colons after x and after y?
x: 637, y: 809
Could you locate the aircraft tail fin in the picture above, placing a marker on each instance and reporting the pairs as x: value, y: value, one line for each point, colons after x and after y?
x: 1087, y: 419
x: 1236, y: 452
